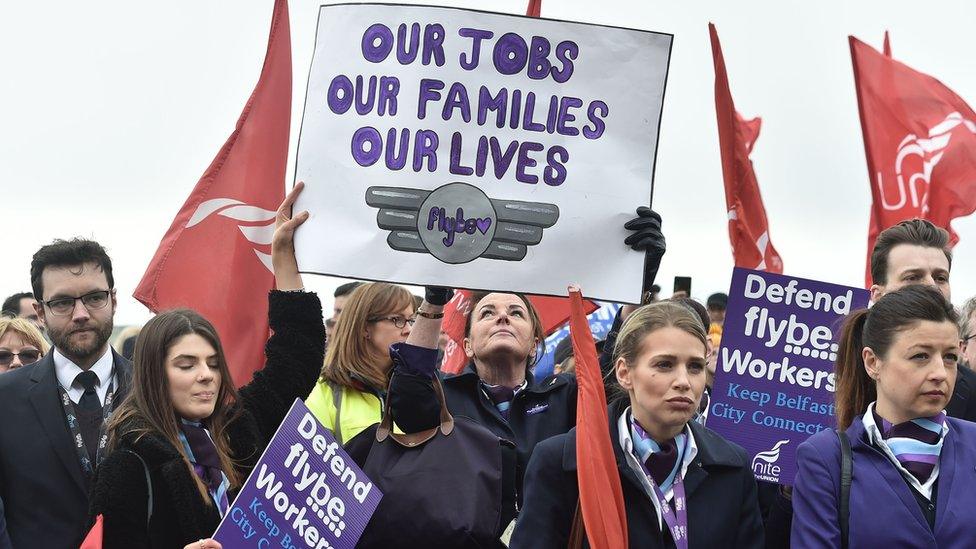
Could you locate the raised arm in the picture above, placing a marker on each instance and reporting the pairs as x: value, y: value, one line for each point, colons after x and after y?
x: 412, y: 399
x: 296, y: 349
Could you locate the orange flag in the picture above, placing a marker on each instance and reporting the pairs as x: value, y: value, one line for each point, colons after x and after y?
x: 601, y: 495
x: 215, y: 257
x: 94, y: 538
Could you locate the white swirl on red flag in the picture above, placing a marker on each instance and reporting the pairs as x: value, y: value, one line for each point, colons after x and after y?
x: 260, y: 227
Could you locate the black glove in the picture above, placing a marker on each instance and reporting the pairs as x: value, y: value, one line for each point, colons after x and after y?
x: 647, y: 237
x: 437, y: 295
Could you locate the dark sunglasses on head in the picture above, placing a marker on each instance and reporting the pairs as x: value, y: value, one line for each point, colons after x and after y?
x: 27, y: 356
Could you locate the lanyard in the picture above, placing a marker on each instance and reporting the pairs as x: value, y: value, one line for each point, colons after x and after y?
x: 677, y: 521
x: 69, y: 412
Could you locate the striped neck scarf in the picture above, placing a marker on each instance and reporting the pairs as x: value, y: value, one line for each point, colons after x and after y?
x: 502, y: 396
x: 916, y: 443
x: 202, y: 453
x: 660, y: 461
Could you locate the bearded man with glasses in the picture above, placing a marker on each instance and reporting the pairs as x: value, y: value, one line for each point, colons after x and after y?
x: 54, y: 410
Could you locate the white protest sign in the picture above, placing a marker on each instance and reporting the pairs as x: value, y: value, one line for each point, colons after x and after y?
x: 478, y: 150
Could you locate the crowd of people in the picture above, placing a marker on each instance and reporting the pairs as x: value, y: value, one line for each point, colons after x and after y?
x: 150, y: 432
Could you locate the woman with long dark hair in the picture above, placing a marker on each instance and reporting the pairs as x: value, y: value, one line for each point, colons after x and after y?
x: 911, y: 481
x: 184, y: 439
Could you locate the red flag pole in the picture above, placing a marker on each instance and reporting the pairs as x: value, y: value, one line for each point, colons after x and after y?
x: 887, y: 45
x: 534, y: 9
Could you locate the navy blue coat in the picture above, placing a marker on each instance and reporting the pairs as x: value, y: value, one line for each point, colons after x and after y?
x: 723, y: 509
x: 540, y: 411
x: 883, y: 510
x: 4, y: 538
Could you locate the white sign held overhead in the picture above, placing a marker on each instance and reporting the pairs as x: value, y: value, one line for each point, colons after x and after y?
x: 478, y: 150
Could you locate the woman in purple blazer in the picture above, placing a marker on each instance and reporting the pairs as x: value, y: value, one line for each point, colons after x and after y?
x: 913, y: 483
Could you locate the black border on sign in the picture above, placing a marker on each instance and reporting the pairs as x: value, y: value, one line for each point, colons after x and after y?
x: 667, y: 70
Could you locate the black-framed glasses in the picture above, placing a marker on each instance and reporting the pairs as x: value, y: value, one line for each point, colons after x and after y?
x: 66, y: 305
x: 397, y: 320
x: 27, y: 356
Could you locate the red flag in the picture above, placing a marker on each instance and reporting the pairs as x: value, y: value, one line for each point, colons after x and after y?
x: 748, y: 227
x: 534, y: 9
x: 94, y: 538
x: 601, y: 497
x: 215, y: 257
x: 553, y: 312
x: 920, y: 144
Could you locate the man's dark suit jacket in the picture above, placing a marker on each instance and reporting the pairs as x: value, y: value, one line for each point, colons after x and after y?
x: 42, y: 485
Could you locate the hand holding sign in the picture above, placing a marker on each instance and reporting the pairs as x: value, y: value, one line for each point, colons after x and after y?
x: 208, y: 543
x: 283, y: 242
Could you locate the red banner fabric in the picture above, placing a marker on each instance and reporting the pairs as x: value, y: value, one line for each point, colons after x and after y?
x: 748, y: 226
x: 94, y: 538
x: 920, y: 144
x: 601, y: 495
x: 215, y: 257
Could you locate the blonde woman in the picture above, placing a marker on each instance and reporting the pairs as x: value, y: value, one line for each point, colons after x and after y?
x: 21, y: 344
x: 683, y: 485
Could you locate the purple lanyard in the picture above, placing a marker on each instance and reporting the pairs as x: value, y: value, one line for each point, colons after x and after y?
x: 677, y: 521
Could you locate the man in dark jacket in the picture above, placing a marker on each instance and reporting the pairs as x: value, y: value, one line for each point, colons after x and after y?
x: 54, y: 410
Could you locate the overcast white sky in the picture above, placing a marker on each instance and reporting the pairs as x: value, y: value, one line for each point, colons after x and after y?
x: 110, y: 112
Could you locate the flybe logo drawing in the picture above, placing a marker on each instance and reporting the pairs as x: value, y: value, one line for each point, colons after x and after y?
x: 764, y: 464
x: 458, y: 223
x: 916, y: 158
x: 256, y: 224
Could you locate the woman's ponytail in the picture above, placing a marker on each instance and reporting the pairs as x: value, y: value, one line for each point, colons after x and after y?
x: 854, y: 390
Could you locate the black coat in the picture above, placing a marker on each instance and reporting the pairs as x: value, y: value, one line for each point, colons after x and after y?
x: 4, y: 538
x: 42, y: 484
x: 540, y: 411
x: 723, y: 510
x: 180, y: 515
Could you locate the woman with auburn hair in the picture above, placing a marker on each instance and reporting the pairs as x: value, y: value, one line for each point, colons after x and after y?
x: 21, y: 343
x: 683, y: 485
x: 184, y: 439
x: 911, y: 466
x: 354, y: 379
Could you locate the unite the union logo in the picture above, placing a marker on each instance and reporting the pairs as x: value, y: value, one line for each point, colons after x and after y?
x: 914, y: 162
x: 764, y: 464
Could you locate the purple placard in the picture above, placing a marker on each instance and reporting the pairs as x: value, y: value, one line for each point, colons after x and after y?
x: 774, y: 380
x: 305, y: 492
